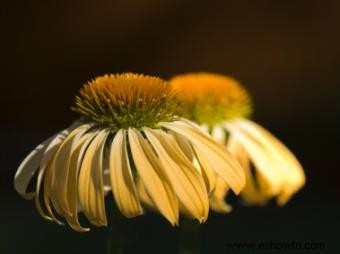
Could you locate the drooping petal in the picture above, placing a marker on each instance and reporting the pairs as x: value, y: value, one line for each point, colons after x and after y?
x: 263, y: 162
x: 237, y: 150
x: 213, y: 154
x: 184, y: 178
x: 50, y: 180
x: 91, y: 187
x: 144, y: 195
x: 184, y: 144
x: 31, y: 163
x: 257, y: 186
x: 28, y: 168
x: 44, y: 163
x: 296, y: 174
x: 219, y: 134
x: 156, y: 183
x: 61, y: 160
x: 207, y: 171
x: 72, y: 187
x: 209, y: 176
x: 256, y: 190
x: 282, y: 160
x: 217, y: 200
x: 122, y: 183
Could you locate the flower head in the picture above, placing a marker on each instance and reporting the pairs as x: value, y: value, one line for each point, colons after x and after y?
x: 221, y: 105
x: 128, y: 100
x: 210, y: 99
x: 128, y: 141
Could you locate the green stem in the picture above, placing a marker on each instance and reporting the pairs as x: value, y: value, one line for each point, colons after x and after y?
x: 114, y: 246
x: 116, y: 239
x: 189, y: 239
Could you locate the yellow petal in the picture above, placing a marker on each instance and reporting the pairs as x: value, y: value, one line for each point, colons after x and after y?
x: 217, y: 200
x: 214, y: 154
x: 184, y: 144
x: 31, y: 163
x: 256, y: 189
x: 154, y: 180
x: 209, y: 176
x: 279, y: 150
x: 219, y: 134
x: 282, y: 160
x: 61, y: 160
x: 184, y: 178
x: 237, y: 150
x: 144, y: 195
x: 49, y: 152
x: 206, y: 170
x: 91, y: 187
x: 264, y: 164
x: 123, y: 186
x: 47, y: 174
x: 72, y: 186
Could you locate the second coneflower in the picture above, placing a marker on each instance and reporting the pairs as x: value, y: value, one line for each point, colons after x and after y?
x: 222, y: 106
x: 128, y: 141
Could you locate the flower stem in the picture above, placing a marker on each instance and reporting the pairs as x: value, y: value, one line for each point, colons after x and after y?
x: 116, y: 239
x: 189, y: 239
x: 115, y: 244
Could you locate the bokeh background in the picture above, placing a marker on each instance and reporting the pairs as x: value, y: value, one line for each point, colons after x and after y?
x: 287, y: 53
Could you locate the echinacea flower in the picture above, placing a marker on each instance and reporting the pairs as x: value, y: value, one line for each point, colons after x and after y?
x: 222, y: 106
x: 128, y: 141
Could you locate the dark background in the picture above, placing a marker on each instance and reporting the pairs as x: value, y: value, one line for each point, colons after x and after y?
x: 287, y: 53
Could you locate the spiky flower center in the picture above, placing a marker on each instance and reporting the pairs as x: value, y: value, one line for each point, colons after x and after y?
x: 126, y: 100
x: 211, y: 98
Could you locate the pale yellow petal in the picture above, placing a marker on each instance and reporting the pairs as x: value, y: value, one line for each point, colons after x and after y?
x: 31, y: 163
x: 156, y: 183
x: 278, y: 149
x: 61, y: 160
x: 184, y: 178
x: 91, y: 187
x: 262, y: 161
x: 217, y: 200
x: 238, y: 151
x: 49, y: 152
x: 256, y: 189
x: 215, y: 155
x: 184, y: 144
x: 258, y: 194
x: 206, y: 170
x: 219, y: 134
x: 123, y: 186
x: 72, y: 187
x: 144, y: 195
x: 49, y: 179
x: 283, y: 161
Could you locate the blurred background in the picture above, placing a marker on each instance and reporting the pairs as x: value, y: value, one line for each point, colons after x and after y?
x: 286, y: 53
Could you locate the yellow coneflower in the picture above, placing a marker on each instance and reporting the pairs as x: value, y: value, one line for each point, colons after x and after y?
x: 129, y: 141
x: 222, y: 107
